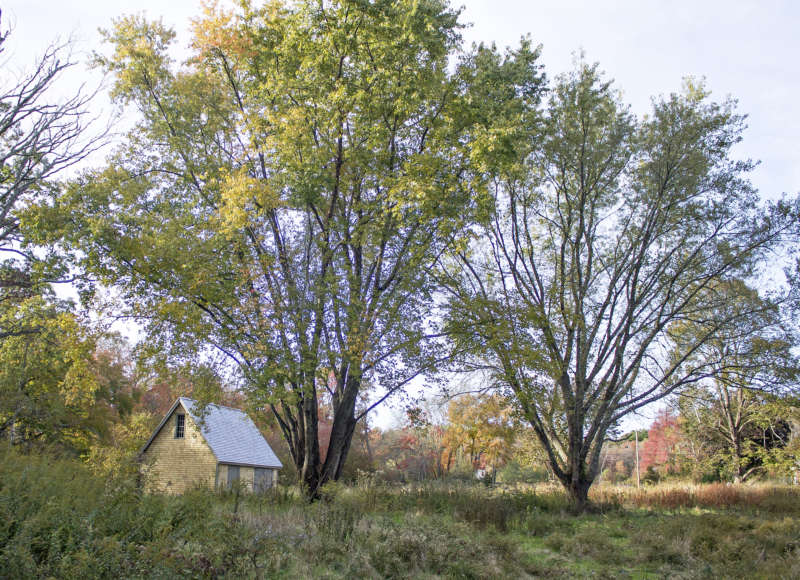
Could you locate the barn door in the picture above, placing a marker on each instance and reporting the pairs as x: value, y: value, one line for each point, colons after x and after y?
x: 262, y: 479
x: 233, y: 475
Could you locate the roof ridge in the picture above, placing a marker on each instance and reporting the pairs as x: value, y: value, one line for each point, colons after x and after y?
x: 217, y: 405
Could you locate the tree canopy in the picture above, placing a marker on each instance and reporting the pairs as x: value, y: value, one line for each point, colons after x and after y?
x: 606, y: 234
x: 283, y: 199
x: 48, y: 374
x: 337, y: 197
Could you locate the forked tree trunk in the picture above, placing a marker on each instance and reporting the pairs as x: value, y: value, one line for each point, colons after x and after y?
x: 578, y: 493
x: 577, y: 488
x: 302, y: 434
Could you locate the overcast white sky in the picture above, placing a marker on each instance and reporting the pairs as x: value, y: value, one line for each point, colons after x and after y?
x: 744, y: 48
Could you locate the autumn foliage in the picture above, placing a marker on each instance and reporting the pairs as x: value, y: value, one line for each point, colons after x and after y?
x: 661, y: 449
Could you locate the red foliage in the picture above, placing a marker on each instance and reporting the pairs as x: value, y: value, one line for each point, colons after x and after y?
x: 159, y: 397
x: 663, y: 439
x: 418, y: 453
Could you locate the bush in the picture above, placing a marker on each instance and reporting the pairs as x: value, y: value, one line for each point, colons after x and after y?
x: 514, y: 473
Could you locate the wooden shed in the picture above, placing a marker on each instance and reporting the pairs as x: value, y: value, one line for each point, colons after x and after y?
x: 213, y: 448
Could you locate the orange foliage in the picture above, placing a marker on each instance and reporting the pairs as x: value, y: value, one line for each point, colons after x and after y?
x: 215, y: 33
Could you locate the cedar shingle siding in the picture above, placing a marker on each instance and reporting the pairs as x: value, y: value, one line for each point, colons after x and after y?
x: 175, y: 465
x: 174, y: 460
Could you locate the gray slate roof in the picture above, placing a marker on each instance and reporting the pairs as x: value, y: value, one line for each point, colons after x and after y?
x: 230, y: 433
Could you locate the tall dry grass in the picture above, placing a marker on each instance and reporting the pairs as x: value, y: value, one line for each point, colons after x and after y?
x: 766, y: 497
x: 58, y: 519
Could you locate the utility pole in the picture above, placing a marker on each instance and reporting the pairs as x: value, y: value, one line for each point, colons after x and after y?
x: 636, y: 438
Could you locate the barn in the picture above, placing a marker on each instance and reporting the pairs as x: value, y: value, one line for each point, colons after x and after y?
x: 212, y: 447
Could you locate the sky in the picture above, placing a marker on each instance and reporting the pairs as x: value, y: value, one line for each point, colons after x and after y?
x: 745, y: 49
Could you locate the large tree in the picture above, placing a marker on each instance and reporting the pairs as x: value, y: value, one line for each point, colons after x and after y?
x: 282, y: 199
x: 605, y: 232
x: 754, y: 369
x: 48, y: 383
x: 41, y: 135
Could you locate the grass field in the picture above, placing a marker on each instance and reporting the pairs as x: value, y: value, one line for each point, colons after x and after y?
x: 58, y: 520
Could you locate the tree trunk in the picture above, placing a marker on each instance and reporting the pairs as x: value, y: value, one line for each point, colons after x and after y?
x: 341, y: 448
x: 367, y: 446
x: 311, y: 483
x: 578, y: 493
x: 737, y: 458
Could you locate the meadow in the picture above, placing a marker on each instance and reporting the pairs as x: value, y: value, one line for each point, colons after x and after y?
x: 58, y: 519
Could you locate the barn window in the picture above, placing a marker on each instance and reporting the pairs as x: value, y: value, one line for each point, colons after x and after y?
x: 262, y: 479
x: 233, y: 474
x: 180, y: 426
